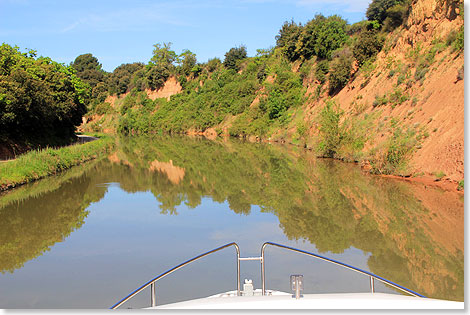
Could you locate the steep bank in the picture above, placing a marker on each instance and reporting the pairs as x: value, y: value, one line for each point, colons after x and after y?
x: 435, y: 103
x: 398, y: 112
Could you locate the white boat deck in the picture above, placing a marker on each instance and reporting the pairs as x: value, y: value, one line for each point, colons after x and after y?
x: 282, y: 300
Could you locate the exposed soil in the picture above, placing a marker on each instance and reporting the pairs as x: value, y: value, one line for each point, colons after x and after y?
x: 171, y: 87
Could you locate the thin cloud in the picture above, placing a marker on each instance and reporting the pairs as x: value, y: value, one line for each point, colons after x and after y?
x: 139, y: 18
x: 350, y: 6
x: 20, y: 2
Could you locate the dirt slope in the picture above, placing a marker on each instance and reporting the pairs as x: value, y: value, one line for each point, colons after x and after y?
x: 108, y: 122
x: 435, y: 104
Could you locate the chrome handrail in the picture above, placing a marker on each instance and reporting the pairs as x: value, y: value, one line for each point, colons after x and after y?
x: 371, y: 275
x: 152, y: 282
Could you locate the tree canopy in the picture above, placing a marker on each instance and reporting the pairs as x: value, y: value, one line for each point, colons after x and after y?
x: 377, y: 10
x: 287, y: 39
x: 233, y: 55
x: 187, y: 60
x: 163, y: 56
x: 38, y: 97
x: 89, y: 69
x: 321, y: 36
x: 119, y: 80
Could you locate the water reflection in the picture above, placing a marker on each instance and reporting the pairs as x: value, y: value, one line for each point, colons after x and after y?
x: 411, y: 234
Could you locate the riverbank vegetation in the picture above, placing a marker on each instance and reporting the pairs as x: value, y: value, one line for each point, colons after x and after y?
x: 37, y: 164
x: 268, y: 96
x: 285, y: 93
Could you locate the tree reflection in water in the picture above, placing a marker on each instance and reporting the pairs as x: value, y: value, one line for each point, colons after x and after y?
x: 414, y: 233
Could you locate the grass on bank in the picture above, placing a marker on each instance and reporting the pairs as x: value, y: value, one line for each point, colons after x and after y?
x: 41, y: 163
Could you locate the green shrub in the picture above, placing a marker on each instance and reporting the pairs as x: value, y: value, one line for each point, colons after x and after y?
x: 340, y: 72
x: 321, y: 70
x: 330, y: 133
x: 342, y: 140
x: 393, y: 157
x: 156, y: 75
x: 458, y: 43
x: 401, y: 78
x: 380, y: 100
x: 276, y: 104
x: 39, y: 98
x: 301, y: 129
x: 367, y: 46
x: 367, y: 68
x: 451, y: 37
x: 119, y: 80
x: 439, y: 175
x: 261, y: 74
x: 397, y: 97
x: 421, y: 70
x: 103, y: 108
x: 213, y: 64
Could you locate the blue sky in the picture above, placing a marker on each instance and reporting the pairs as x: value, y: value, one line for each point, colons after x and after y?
x: 121, y: 31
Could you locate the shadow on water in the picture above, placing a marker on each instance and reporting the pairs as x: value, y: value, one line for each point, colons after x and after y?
x: 414, y: 233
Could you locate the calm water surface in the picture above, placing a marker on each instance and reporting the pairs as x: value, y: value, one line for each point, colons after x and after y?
x: 88, y: 237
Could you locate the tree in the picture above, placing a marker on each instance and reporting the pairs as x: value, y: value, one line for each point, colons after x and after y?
x: 119, y: 80
x: 287, y: 39
x: 156, y: 76
x: 233, y: 55
x: 161, y: 65
x: 163, y: 56
x: 321, y: 36
x: 396, y: 15
x: 86, y: 62
x: 187, y: 60
x: 377, y: 9
x: 89, y: 69
x: 39, y: 98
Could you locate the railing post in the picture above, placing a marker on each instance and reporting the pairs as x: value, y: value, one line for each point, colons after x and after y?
x: 238, y: 269
x: 153, y: 295
x: 372, y: 289
x: 263, y: 279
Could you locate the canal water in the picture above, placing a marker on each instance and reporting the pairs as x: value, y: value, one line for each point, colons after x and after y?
x: 91, y: 235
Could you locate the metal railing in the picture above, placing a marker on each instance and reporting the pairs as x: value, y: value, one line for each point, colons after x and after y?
x: 151, y: 283
x: 371, y: 275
